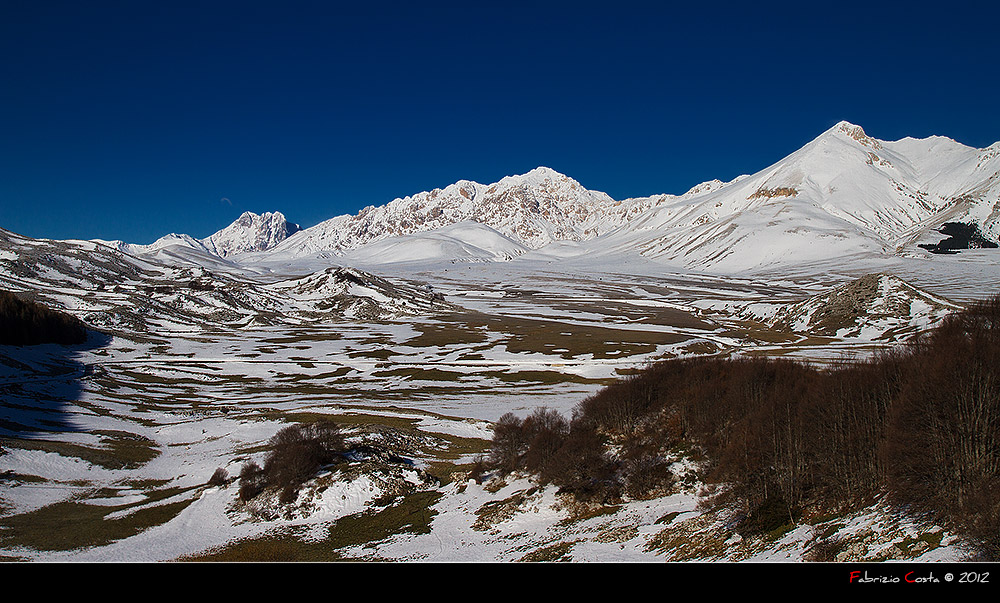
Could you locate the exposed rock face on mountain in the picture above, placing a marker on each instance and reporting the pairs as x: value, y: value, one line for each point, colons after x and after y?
x: 533, y: 210
x: 249, y: 233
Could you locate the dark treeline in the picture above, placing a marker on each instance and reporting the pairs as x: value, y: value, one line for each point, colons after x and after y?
x: 29, y: 323
x: 778, y: 438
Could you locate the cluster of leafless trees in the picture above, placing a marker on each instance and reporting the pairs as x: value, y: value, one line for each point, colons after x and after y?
x: 297, y: 452
x: 919, y: 424
x: 24, y: 322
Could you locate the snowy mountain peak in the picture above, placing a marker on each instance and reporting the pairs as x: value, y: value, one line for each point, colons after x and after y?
x: 541, y: 176
x: 846, y: 126
x: 249, y: 233
x: 854, y: 132
x: 531, y: 209
x: 544, y: 173
x: 705, y: 187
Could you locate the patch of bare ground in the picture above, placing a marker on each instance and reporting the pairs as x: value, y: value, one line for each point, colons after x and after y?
x: 697, y: 538
x: 559, y: 551
x: 495, y: 512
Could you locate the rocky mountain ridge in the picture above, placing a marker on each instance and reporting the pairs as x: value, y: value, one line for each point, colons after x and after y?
x: 251, y: 232
x: 247, y: 234
x: 845, y: 193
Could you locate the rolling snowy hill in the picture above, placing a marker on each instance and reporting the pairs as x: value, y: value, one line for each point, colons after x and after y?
x: 182, y: 288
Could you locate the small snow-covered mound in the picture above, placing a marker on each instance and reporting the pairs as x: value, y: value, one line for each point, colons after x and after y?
x: 353, y: 293
x: 462, y: 242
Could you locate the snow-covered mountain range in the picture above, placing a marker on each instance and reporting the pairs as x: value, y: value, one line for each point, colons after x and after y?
x: 842, y: 194
x: 249, y: 233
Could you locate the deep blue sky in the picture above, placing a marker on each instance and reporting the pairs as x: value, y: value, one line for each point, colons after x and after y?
x: 128, y: 120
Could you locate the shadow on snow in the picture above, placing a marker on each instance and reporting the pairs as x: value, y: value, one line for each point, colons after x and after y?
x: 40, y: 384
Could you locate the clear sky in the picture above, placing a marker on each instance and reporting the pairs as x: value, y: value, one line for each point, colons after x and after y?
x: 132, y: 119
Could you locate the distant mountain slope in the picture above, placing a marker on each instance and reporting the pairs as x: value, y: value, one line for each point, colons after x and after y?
x: 249, y: 233
x: 463, y: 241
x: 533, y: 210
x: 842, y: 194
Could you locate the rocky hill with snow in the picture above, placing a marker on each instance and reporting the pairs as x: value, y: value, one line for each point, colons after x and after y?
x: 172, y: 290
x: 875, y: 307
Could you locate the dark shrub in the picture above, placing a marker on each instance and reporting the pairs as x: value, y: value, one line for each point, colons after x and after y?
x: 545, y: 431
x: 527, y: 444
x: 582, y: 466
x: 769, y: 515
x: 647, y: 476
x: 509, y: 444
x: 297, y: 452
x: 252, y: 480
x: 220, y: 477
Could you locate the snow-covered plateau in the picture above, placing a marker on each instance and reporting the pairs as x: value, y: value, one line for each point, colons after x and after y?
x: 417, y: 324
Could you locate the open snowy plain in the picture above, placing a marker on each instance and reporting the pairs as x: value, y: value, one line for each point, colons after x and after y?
x: 416, y: 340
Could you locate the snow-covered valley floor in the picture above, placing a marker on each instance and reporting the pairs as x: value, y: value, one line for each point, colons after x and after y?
x: 108, y: 448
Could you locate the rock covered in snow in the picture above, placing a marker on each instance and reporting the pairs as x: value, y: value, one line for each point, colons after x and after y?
x: 251, y: 232
x: 532, y: 210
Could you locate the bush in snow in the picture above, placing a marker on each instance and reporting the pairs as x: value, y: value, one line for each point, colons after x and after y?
x: 920, y: 423
x: 297, y: 453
